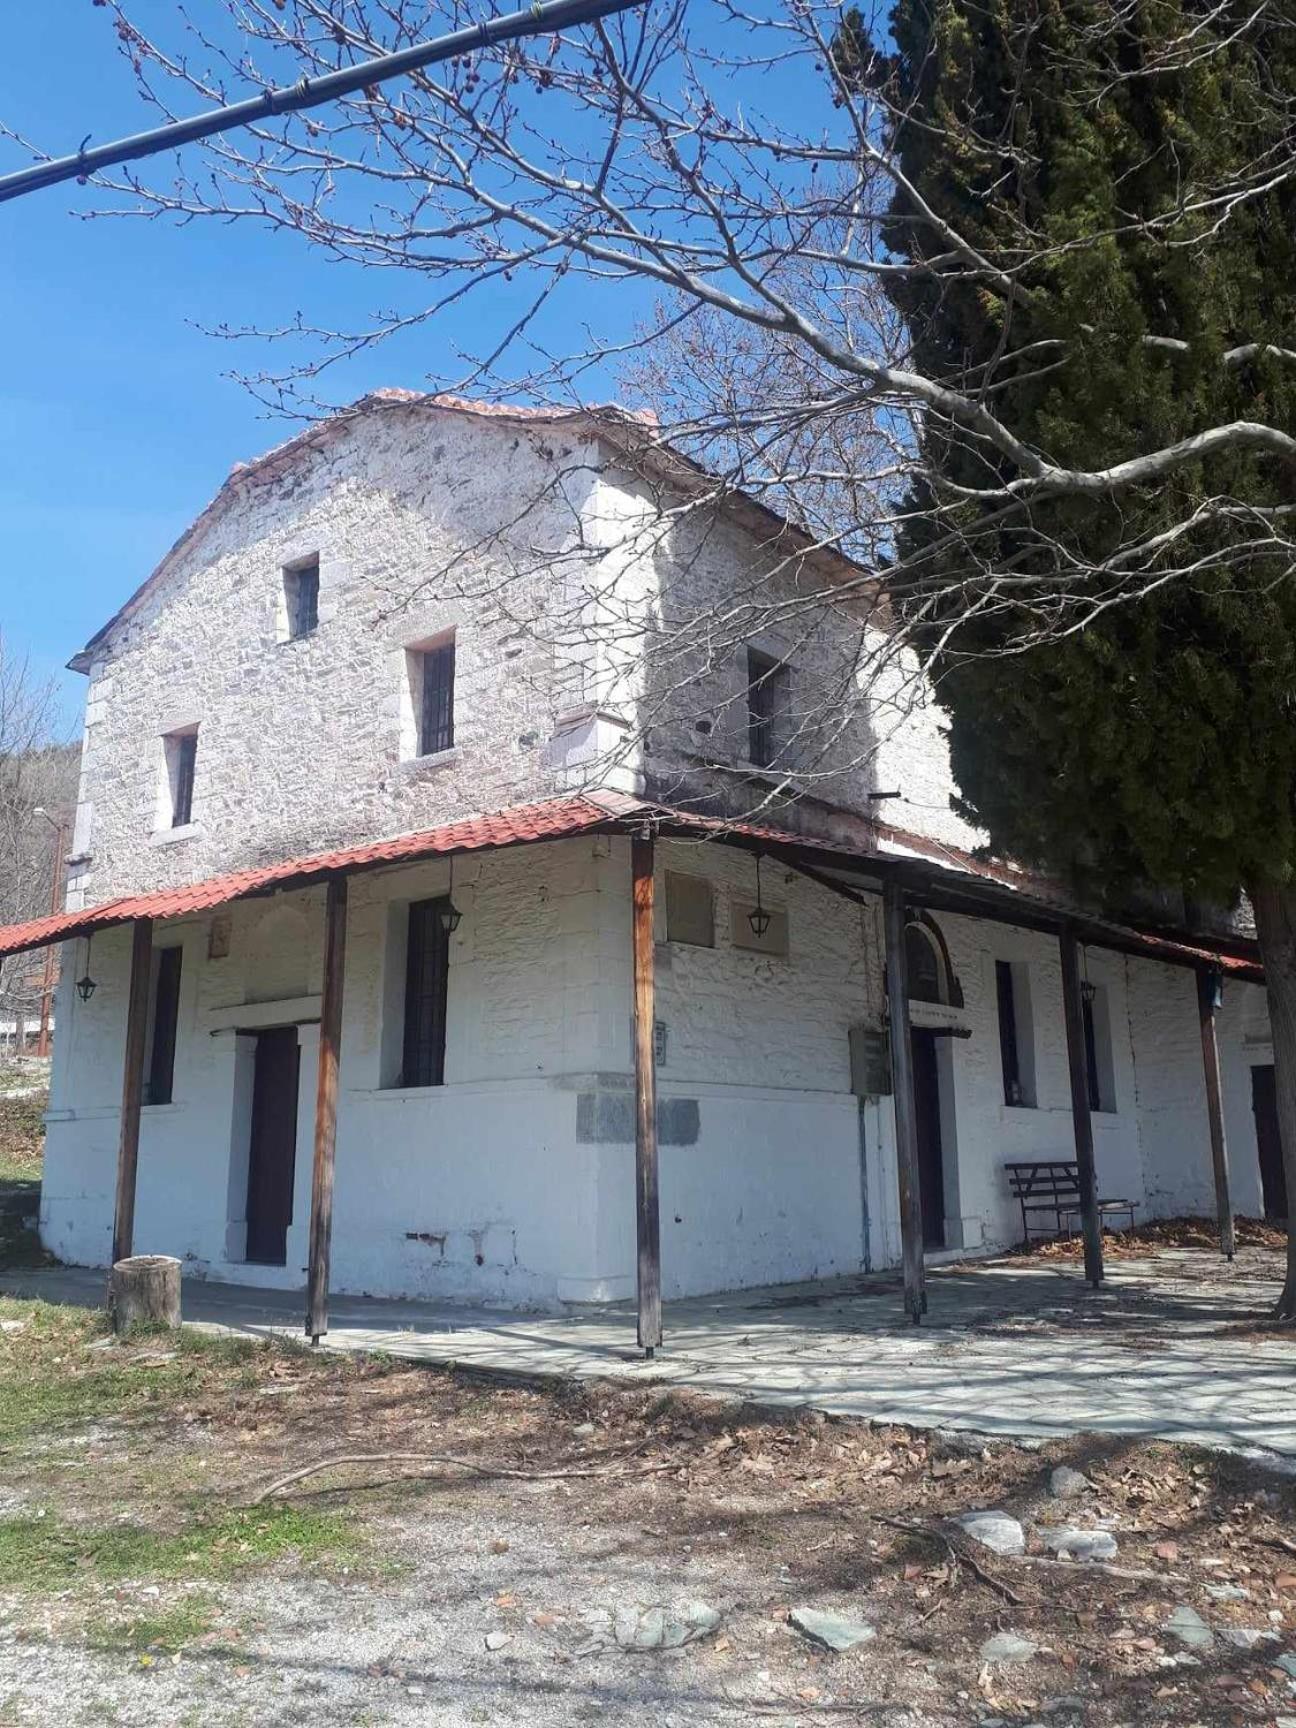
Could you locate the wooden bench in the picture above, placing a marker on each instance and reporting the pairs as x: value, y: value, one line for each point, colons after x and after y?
x: 1051, y: 1187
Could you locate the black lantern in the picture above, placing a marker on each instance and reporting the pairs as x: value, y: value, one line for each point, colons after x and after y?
x: 1213, y: 988
x: 759, y: 918
x: 450, y: 913
x: 1088, y: 992
x: 85, y: 985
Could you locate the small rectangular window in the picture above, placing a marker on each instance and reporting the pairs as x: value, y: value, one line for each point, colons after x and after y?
x: 181, y: 757
x: 301, y: 598
x: 767, y: 688
x: 1008, y: 1054
x: 436, y: 707
x: 1016, y: 1033
x: 1099, y: 1069
x: 426, y: 980
x: 164, y: 1020
x: 690, y: 910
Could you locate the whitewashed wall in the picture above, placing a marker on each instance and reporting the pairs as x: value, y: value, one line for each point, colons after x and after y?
x: 705, y: 587
x: 513, y: 1183
x: 479, y: 1187
x: 1172, y: 1089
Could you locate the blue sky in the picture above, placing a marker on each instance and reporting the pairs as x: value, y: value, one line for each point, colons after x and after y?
x: 118, y: 417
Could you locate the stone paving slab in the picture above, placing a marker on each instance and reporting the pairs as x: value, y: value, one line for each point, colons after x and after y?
x: 1166, y: 1349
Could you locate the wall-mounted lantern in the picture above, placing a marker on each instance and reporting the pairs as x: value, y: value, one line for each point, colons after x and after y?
x: 759, y: 918
x: 85, y: 984
x: 450, y: 913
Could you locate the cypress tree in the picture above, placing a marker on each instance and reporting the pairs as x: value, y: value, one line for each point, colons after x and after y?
x: 1070, y: 143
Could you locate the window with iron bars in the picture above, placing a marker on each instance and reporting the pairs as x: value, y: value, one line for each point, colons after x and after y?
x: 436, y: 708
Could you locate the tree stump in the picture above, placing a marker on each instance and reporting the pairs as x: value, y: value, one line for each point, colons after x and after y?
x: 145, y: 1291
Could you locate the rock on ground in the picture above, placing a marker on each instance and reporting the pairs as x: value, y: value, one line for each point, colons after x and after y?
x: 656, y: 1627
x: 834, y: 1631
x: 1187, y: 1625
x: 1071, y: 1544
x: 1068, y: 1484
x: 1008, y: 1647
x: 994, y: 1530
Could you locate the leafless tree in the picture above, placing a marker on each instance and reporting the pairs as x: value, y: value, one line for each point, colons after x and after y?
x: 37, y: 772
x: 723, y: 158
x: 694, y: 197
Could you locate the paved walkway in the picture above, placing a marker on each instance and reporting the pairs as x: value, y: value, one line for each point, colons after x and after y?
x: 1167, y: 1348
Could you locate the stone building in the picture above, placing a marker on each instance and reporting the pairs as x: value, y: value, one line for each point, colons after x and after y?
x: 425, y: 677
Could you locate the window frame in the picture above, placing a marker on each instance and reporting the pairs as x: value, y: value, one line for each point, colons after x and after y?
x: 304, y: 576
x: 1014, y: 1085
x: 1100, y: 1065
x: 918, y: 931
x: 427, y: 981
x: 768, y: 679
x: 436, y: 731
x: 164, y: 1025
x: 680, y: 884
x: 181, y: 773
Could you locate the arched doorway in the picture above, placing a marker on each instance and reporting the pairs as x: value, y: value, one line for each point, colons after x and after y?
x: 930, y: 980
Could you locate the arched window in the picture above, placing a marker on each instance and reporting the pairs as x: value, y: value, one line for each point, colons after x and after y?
x: 926, y: 965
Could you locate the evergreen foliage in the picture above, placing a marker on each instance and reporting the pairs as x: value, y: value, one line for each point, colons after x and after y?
x: 1158, y: 743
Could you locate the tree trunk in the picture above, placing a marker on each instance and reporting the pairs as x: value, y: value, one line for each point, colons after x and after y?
x: 1275, y: 914
x: 145, y: 1291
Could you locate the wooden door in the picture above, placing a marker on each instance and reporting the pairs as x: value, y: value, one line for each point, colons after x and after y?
x: 1273, y: 1179
x: 931, y: 1161
x: 273, y: 1150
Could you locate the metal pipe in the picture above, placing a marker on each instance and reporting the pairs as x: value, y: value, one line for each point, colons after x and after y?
x: 536, y: 20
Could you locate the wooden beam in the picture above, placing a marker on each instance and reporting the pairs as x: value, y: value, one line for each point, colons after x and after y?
x: 137, y: 1005
x: 1207, y: 987
x: 902, y: 1092
x: 1082, y: 1122
x: 647, y: 1203
x: 326, y: 1090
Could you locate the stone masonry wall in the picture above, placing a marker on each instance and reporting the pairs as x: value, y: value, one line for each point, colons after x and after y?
x: 301, y: 743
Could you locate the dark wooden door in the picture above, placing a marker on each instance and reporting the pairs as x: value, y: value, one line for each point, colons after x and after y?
x: 274, y: 1145
x: 931, y: 1163
x: 1273, y: 1179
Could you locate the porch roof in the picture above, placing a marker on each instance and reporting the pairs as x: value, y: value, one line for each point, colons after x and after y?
x: 939, y: 876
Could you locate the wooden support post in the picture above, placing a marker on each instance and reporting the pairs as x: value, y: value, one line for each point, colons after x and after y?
x: 647, y: 1204
x: 1207, y: 996
x: 137, y: 1005
x: 326, y: 1090
x: 1082, y: 1122
x: 902, y: 1090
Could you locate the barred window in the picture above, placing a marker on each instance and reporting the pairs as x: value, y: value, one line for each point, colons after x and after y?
x: 301, y: 597
x: 426, y: 980
x: 436, y: 710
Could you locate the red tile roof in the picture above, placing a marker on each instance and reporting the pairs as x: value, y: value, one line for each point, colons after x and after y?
x: 552, y: 819
x: 1004, y: 889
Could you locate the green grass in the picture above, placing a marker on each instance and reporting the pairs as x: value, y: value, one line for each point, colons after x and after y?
x: 166, y: 1630
x: 22, y: 1136
x: 60, y: 1374
x: 44, y: 1554
x: 50, y: 1380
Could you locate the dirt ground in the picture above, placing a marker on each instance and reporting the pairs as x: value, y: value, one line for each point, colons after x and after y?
x: 142, y: 1580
